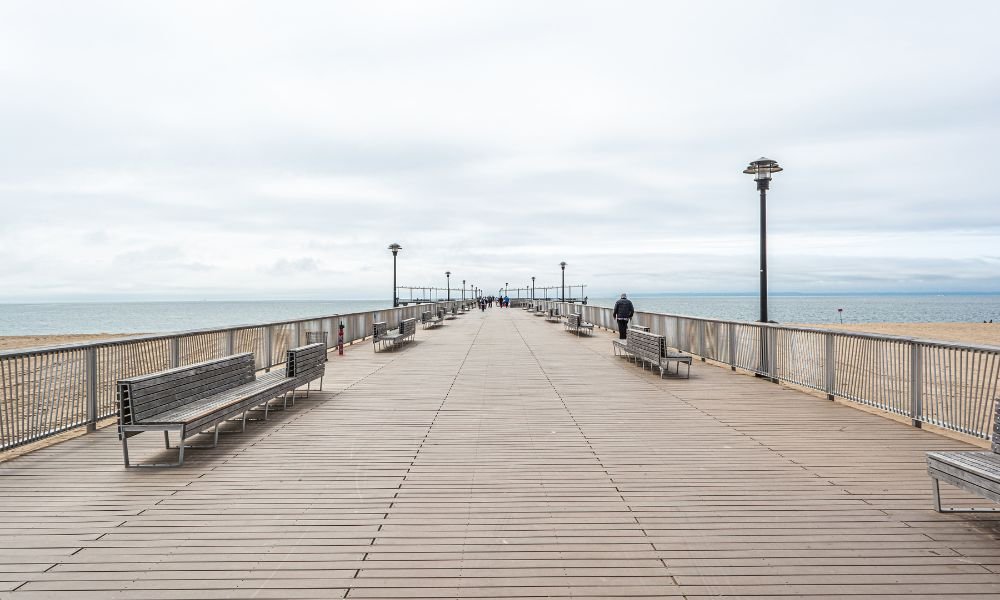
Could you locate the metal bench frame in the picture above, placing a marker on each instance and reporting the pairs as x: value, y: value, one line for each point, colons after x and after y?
x: 977, y: 472
x: 575, y: 322
x: 428, y: 319
x: 652, y: 349
x: 186, y: 400
x: 381, y: 335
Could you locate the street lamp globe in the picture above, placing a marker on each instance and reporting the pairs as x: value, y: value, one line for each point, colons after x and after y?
x: 762, y: 169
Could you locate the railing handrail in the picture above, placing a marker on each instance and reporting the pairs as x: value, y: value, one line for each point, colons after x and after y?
x: 151, y: 337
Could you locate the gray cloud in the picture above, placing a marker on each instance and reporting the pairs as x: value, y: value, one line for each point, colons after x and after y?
x: 197, y: 150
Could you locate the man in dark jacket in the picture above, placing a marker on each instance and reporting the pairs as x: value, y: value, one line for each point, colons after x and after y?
x: 623, y: 312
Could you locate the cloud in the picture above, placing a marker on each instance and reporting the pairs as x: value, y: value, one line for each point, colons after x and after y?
x: 195, y: 150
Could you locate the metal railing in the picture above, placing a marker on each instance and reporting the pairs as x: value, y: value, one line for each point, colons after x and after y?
x: 949, y: 385
x: 46, y: 391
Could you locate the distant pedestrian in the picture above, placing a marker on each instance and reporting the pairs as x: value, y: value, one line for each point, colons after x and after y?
x: 623, y: 313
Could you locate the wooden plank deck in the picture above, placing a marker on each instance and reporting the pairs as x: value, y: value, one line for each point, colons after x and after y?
x: 500, y: 456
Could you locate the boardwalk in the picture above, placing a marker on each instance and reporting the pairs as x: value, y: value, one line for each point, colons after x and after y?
x: 499, y: 456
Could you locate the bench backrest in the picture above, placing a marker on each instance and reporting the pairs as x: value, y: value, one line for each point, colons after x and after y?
x: 639, y: 328
x: 379, y: 329
x: 574, y: 319
x: 425, y: 317
x: 996, y: 426
x: 147, y: 395
x: 647, y: 345
x: 407, y: 327
x: 305, y: 360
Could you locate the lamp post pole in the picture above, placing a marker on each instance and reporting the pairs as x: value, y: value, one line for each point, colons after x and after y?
x: 395, y: 250
x: 447, y: 274
x: 532, y: 287
x: 463, y: 290
x: 762, y: 169
x: 563, y: 265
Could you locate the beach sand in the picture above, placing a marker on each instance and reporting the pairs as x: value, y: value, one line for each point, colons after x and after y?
x: 980, y: 334
x: 20, y: 342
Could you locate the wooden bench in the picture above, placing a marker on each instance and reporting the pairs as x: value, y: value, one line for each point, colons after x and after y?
x: 640, y: 345
x: 430, y: 320
x: 204, y: 395
x: 575, y: 322
x: 977, y: 472
x: 452, y: 314
x: 553, y: 316
x: 381, y: 335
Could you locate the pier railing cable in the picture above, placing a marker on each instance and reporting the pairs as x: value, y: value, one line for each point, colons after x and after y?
x: 949, y: 385
x: 47, y: 391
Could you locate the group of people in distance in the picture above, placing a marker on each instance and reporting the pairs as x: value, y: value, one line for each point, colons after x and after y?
x: 502, y: 302
x: 622, y: 312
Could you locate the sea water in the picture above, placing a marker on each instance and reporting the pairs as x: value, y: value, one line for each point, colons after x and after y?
x: 875, y: 308
x: 156, y: 317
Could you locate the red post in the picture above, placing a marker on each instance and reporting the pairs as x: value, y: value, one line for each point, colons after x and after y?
x: 340, y: 339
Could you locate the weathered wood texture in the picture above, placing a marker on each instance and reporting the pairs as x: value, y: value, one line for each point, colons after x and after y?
x: 500, y: 457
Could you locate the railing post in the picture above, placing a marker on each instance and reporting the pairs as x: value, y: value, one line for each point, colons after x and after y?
x: 175, y: 352
x: 267, y: 348
x: 231, y: 342
x: 916, y: 385
x: 296, y: 334
x: 91, y: 389
x: 772, y: 354
x: 701, y: 340
x: 677, y: 335
x: 830, y: 364
x: 732, y: 345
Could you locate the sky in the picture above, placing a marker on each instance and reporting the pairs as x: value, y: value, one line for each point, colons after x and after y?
x: 273, y: 150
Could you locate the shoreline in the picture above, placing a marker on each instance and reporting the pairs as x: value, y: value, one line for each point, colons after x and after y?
x: 978, y: 334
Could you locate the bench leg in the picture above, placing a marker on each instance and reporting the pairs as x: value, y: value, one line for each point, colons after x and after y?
x: 166, y: 438
x: 125, y: 449
x: 936, y: 490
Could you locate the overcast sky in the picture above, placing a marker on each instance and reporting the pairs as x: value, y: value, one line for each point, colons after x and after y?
x: 216, y: 150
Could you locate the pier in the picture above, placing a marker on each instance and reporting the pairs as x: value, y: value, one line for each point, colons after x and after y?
x: 500, y: 456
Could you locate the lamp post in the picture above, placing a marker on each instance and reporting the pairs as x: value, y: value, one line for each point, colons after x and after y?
x: 505, y: 284
x: 762, y: 169
x: 463, y: 290
x: 395, y: 250
x: 447, y: 274
x: 563, y: 265
x: 532, y: 287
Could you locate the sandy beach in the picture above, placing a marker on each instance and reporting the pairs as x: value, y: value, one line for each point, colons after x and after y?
x: 987, y: 334
x: 980, y: 334
x: 18, y: 342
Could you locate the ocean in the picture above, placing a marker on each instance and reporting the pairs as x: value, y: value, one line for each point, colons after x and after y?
x: 156, y: 317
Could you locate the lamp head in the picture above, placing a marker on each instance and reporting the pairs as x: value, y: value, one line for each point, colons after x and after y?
x: 762, y: 169
x: 395, y: 248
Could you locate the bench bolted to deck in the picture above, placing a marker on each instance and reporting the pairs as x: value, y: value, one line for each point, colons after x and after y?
x: 977, y: 471
x: 428, y: 319
x: 381, y: 334
x: 192, y: 398
x: 575, y: 322
x: 650, y: 349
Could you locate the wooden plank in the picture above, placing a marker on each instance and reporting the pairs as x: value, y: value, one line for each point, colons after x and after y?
x: 499, y: 457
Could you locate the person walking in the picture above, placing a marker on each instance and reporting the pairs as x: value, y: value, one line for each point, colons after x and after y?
x: 623, y: 313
